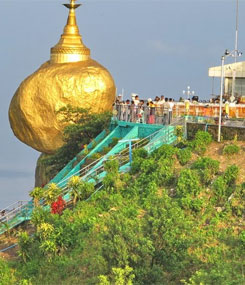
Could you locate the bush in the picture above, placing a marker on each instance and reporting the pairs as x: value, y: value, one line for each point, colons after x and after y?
x: 231, y: 174
x: 231, y: 149
x: 165, y: 171
x: 112, y: 166
x: 136, y: 165
x: 207, y: 168
x: 165, y: 151
x: 6, y: 274
x: 184, y: 155
x: 188, y: 183
x: 140, y: 152
x: 201, y: 141
x: 219, y: 187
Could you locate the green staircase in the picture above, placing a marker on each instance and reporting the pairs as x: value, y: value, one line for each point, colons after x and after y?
x: 150, y: 137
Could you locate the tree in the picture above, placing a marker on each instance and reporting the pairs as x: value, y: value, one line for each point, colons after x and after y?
x: 37, y: 194
x: 52, y: 193
x: 83, y: 127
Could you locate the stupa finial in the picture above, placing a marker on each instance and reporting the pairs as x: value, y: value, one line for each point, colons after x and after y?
x: 70, y: 48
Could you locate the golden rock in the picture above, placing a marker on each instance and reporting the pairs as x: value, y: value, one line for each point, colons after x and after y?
x: 70, y: 77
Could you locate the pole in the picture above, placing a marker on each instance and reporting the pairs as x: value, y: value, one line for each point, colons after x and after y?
x: 237, y: 19
x: 221, y: 96
x: 236, y: 53
x: 130, y: 152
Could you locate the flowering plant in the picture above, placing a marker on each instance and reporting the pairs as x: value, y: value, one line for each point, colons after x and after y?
x: 58, y: 206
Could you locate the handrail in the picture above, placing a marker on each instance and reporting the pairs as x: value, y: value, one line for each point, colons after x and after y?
x: 84, y: 173
x: 6, y: 216
x: 90, y: 166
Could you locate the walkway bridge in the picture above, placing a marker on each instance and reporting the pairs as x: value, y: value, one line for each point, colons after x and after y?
x: 147, y: 136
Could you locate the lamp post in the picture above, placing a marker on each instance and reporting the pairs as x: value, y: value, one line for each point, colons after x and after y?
x: 221, y: 92
x: 188, y: 92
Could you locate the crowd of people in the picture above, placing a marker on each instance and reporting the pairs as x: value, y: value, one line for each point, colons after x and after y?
x: 157, y: 111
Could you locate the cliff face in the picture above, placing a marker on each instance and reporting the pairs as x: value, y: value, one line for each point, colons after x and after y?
x: 42, y: 173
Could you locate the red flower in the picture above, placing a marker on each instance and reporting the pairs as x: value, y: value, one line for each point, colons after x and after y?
x: 58, y: 206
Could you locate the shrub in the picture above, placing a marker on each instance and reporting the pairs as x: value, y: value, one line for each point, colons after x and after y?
x: 203, y: 137
x: 242, y: 239
x: 37, y: 194
x: 188, y: 202
x: 85, y: 189
x: 219, y: 187
x: 52, y: 193
x: 207, y: 168
x: 231, y: 174
x: 165, y: 151
x: 140, y: 152
x: 201, y: 141
x: 184, y: 155
x: 231, y: 149
x: 136, y: 165
x: 165, y: 171
x: 188, y: 183
x: 111, y: 166
x: 6, y: 274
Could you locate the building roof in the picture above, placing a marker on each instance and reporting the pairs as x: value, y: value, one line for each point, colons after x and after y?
x: 229, y: 69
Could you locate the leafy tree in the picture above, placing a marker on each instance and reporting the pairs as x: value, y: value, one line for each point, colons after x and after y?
x: 73, y: 185
x: 52, y: 193
x: 83, y: 127
x: 119, y: 276
x: 37, y: 194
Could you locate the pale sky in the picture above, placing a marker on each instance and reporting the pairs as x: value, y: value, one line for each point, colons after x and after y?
x: 150, y: 47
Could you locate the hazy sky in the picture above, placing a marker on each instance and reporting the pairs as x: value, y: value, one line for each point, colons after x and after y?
x: 150, y: 47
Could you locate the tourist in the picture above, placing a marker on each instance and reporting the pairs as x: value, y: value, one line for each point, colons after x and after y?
x: 165, y: 112
x: 162, y: 100
x: 136, y: 100
x: 152, y: 113
x: 123, y: 111
x: 170, y: 111
x: 132, y: 112
x: 158, y: 113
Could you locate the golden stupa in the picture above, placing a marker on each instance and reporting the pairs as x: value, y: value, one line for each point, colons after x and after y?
x: 69, y: 77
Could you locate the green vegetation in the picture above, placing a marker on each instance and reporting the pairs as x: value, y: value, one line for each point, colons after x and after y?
x: 158, y: 224
x: 231, y: 149
x: 184, y: 156
x: 201, y: 141
x: 83, y: 127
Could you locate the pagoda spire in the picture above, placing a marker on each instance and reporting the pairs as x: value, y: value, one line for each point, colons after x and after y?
x: 70, y: 47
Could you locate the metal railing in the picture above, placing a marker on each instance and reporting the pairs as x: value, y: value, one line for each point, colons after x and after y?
x: 8, y: 212
x: 159, y: 115
x: 22, y: 208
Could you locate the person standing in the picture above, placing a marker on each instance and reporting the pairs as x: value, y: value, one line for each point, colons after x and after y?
x: 170, y: 111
